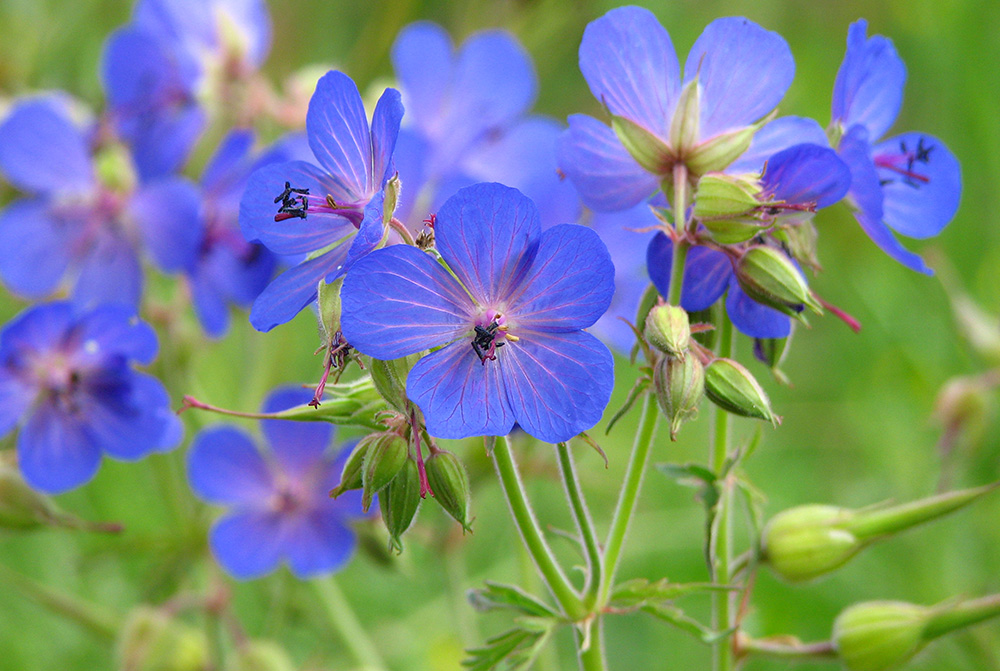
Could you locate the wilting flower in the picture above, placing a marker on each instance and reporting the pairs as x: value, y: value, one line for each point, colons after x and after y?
x: 280, y: 508
x: 78, y: 219
x: 910, y: 183
x: 333, y: 213
x: 741, y: 72
x: 467, y: 122
x: 66, y: 378
x: 804, y: 175
x: 508, y: 321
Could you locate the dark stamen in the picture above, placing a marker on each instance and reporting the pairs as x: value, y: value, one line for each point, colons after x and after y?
x: 294, y: 203
x: 484, y: 344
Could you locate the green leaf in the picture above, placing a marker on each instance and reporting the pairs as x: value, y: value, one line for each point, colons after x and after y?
x: 684, y: 622
x: 640, y: 592
x: 498, y: 596
x: 640, y: 386
x: 513, y: 650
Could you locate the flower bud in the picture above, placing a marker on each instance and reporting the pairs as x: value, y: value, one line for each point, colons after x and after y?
x: 382, y: 462
x: 389, y: 378
x: 260, y: 656
x: 668, y: 329
x: 721, y: 196
x: 686, y: 122
x: 879, y: 635
x: 679, y: 385
x: 399, y: 502
x: 733, y: 388
x: 771, y: 352
x: 392, y: 189
x: 329, y: 308
x: 450, y: 484
x: 806, y: 542
x: 770, y: 277
x: 800, y: 237
x: 153, y: 641
x: 350, y: 477
x: 647, y: 149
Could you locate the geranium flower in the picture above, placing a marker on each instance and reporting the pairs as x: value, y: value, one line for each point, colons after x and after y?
x: 909, y: 184
x: 74, y: 221
x: 280, y: 507
x: 629, y: 62
x: 333, y: 212
x: 66, y: 378
x: 508, y: 318
x: 467, y: 122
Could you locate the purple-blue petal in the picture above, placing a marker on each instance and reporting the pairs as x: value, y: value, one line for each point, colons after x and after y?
x: 604, y: 173
x: 54, y: 451
x: 42, y: 151
x: 224, y: 467
x: 753, y: 319
x: 36, y: 329
x: 458, y: 395
x: 869, y: 87
x: 249, y: 543
x: 569, y: 285
x: 706, y: 273
x: 110, y: 273
x: 168, y: 213
x: 319, y: 542
x: 774, y: 136
x: 129, y: 415
x: 411, y: 163
x: 385, y: 128
x: 807, y: 173
x: 15, y: 398
x: 339, y: 136
x: 113, y: 330
x: 557, y: 384
x: 294, y: 289
x: 164, y: 141
x: 630, y: 64
x: 744, y: 71
x: 399, y: 300
x: 35, y: 247
x: 914, y: 207
x: 229, y: 162
x: 293, y: 235
x: 298, y: 447
x: 488, y: 234
x: 422, y: 61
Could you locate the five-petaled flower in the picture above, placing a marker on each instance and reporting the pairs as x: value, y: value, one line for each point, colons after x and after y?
x: 279, y: 497
x: 910, y: 183
x: 66, y: 378
x: 505, y: 318
x: 333, y: 213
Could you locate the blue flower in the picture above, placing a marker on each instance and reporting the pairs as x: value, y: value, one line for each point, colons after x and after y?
x: 805, y: 174
x: 467, y: 122
x: 506, y: 322
x: 66, y: 379
x: 280, y: 508
x: 629, y: 62
x: 909, y: 184
x: 72, y: 222
x: 333, y: 212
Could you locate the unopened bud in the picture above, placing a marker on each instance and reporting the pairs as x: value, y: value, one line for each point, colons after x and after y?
x: 800, y: 236
x: 668, y: 329
x: 392, y: 189
x: 450, y: 484
x: 733, y: 388
x: 721, y: 195
x: 686, y: 123
x: 382, y: 462
x: 771, y: 352
x: 260, y: 656
x: 399, y: 502
x: 389, y: 378
x: 647, y: 149
x: 770, y: 277
x: 679, y: 385
x: 329, y: 307
x: 879, y: 635
x: 350, y: 477
x: 354, y: 403
x: 153, y: 641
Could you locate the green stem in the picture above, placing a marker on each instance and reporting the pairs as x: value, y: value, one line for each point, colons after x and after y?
x: 722, y: 654
x: 681, y: 244
x: 345, y: 622
x: 595, y: 563
x: 791, y: 651
x: 527, y: 526
x: 964, y: 614
x: 630, y: 492
x: 592, y: 659
x: 87, y: 615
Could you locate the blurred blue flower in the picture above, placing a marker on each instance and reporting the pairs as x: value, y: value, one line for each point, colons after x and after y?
x: 508, y: 321
x: 73, y: 222
x: 467, y: 122
x: 629, y: 62
x: 910, y: 183
x: 66, y: 378
x: 333, y: 212
x: 280, y: 508
x: 805, y: 174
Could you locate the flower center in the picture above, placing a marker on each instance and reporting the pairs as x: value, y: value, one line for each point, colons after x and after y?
x: 491, y: 333
x: 904, y: 162
x: 295, y: 203
x: 288, y: 499
x: 58, y: 379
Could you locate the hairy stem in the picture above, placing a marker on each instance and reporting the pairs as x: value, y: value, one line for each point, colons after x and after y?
x: 595, y: 563
x: 722, y: 656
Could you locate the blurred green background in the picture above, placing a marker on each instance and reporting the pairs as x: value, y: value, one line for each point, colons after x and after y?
x: 856, y: 422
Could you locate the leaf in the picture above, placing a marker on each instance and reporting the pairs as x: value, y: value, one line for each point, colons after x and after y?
x: 641, y: 385
x: 684, y: 622
x: 515, y: 649
x: 499, y: 596
x: 640, y: 592
x: 585, y: 437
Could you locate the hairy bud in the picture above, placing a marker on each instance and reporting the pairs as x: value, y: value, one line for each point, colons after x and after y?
x: 879, y: 635
x: 668, y: 330
x: 733, y: 388
x: 770, y: 277
x: 399, y: 502
x: 382, y: 462
x: 450, y: 484
x: 679, y: 385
